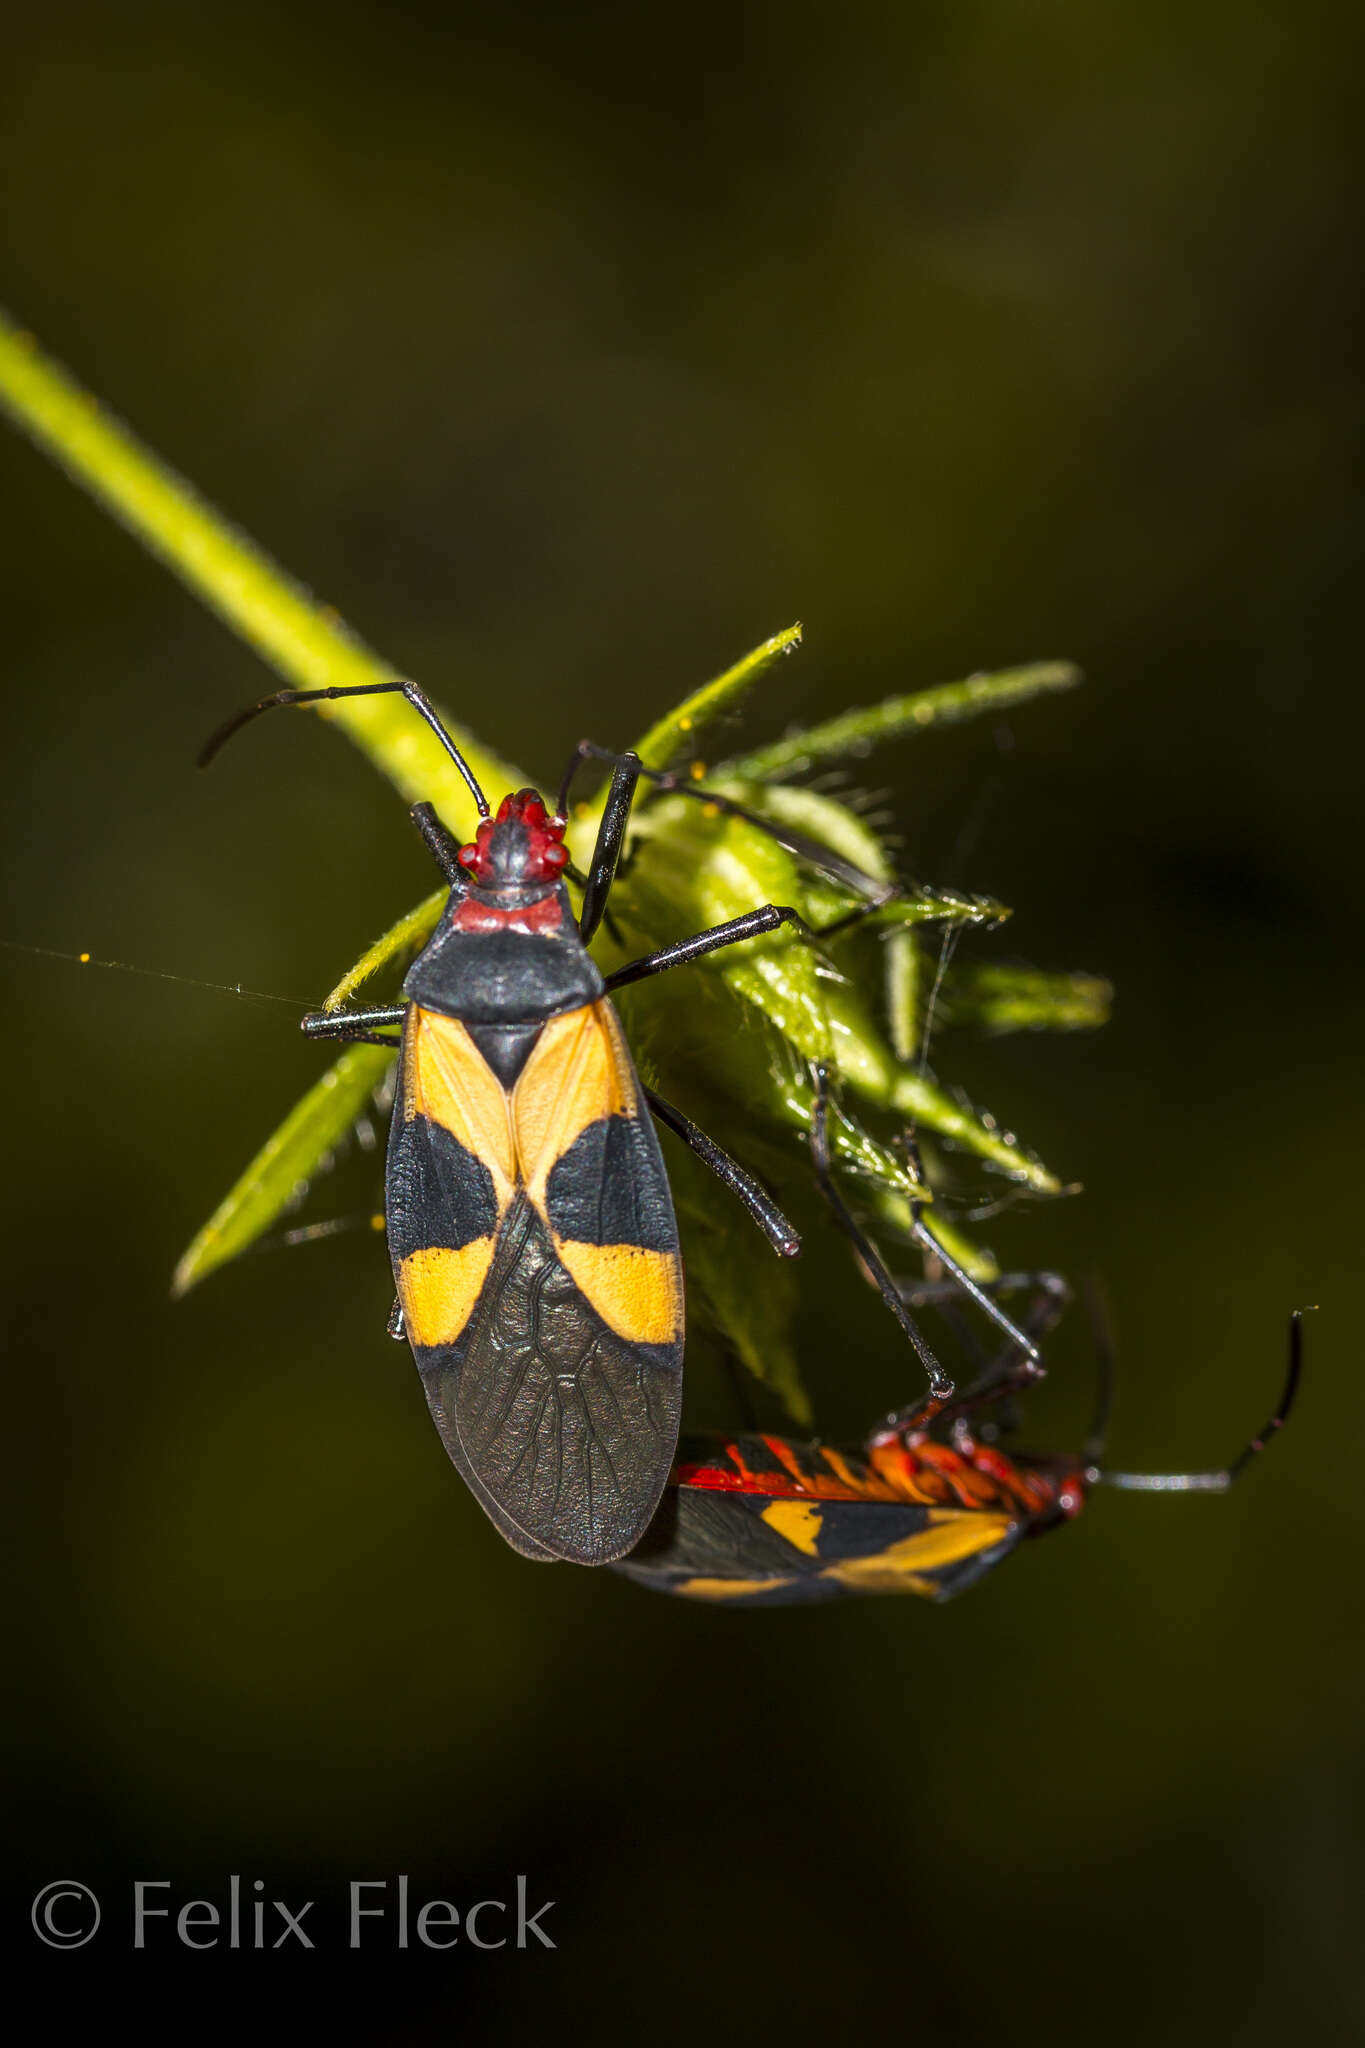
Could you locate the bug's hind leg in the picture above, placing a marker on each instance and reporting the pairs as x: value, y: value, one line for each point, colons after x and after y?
x: 1013, y: 1368
x: 780, y: 1234
x: 940, y: 1385
x: 930, y: 1245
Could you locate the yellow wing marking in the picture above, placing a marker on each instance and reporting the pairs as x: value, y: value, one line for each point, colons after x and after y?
x: 638, y: 1294
x: 727, y: 1589
x: 578, y: 1071
x: 446, y: 1078
x: 799, y: 1521
x: 439, y: 1287
x: 905, y: 1567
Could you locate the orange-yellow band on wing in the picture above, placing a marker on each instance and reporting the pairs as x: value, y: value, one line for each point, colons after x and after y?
x: 954, y: 1536
x: 798, y: 1521
x: 727, y: 1589
x: 446, y: 1078
x: 638, y: 1294
x: 438, y: 1289
x: 579, y: 1072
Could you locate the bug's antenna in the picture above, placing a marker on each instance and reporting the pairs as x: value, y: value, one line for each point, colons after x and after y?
x: 421, y: 705
x: 1219, y: 1482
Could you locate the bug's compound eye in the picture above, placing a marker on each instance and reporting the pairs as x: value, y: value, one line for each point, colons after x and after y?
x: 468, y: 855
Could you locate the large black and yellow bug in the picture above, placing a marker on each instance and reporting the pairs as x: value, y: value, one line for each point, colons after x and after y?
x: 925, y: 1506
x: 534, y: 1246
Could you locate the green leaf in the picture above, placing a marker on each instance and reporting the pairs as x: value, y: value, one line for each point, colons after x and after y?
x: 856, y: 733
x: 814, y: 814
x: 1001, y: 999
x: 695, y: 870
x: 681, y: 728
x: 903, y: 987
x: 285, y: 1163
x: 832, y: 824
x: 869, y: 1067
x: 916, y: 906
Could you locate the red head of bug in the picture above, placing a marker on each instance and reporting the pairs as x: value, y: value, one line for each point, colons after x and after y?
x: 523, y: 844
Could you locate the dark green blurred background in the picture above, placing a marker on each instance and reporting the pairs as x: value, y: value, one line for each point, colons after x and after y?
x: 570, y: 354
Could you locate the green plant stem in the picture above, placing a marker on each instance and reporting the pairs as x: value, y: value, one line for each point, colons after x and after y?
x: 304, y: 641
x: 857, y: 732
x: 681, y: 730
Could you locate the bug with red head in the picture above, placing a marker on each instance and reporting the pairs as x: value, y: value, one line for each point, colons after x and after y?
x: 531, y: 1229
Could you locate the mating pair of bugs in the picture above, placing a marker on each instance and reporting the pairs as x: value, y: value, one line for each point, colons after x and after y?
x: 537, y: 1268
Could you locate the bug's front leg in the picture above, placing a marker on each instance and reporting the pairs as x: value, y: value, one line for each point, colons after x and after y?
x: 357, y: 1027
x: 611, y: 833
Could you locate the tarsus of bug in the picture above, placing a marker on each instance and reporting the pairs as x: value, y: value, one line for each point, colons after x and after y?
x: 222, y: 988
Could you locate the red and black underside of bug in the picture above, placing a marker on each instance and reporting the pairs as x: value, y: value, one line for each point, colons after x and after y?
x: 928, y: 1505
x: 762, y: 1521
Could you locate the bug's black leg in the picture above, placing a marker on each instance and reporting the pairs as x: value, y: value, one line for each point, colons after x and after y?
x: 925, y: 1293
x: 1218, y: 1482
x: 441, y: 842
x: 360, y: 1027
x: 397, y: 1324
x: 611, y: 835
x: 993, y: 1386
x: 1013, y: 1370
x: 950, y: 1309
x: 940, y: 1385
x: 420, y: 703
x: 753, y: 922
x: 924, y: 1237
x: 671, y: 782
x: 766, y: 1214
x: 585, y: 751
x: 1009, y: 1371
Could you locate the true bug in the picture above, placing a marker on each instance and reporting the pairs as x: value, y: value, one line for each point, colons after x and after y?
x: 533, y: 1240
x: 925, y: 1506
